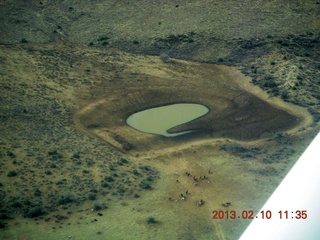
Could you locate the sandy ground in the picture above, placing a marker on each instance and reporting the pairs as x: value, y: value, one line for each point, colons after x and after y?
x: 65, y: 70
x: 225, y: 168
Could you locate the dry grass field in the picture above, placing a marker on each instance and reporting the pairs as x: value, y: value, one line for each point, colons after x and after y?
x: 71, y: 73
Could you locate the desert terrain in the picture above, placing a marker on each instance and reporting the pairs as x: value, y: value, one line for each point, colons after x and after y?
x: 71, y: 73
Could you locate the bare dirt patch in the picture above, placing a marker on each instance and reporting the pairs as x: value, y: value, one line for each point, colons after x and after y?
x: 237, y: 110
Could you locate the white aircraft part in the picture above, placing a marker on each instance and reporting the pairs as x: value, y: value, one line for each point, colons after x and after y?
x: 298, y: 191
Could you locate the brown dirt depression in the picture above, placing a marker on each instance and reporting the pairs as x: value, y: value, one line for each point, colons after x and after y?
x: 235, y: 112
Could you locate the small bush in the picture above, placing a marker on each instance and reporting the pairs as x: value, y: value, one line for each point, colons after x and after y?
x: 121, y: 189
x: 284, y: 94
x: 164, y: 57
x: 34, y: 212
x: 280, y: 135
x: 151, y: 220
x: 92, y: 196
x: 16, y: 204
x: 122, y: 161
x: 135, y: 172
x: 76, y: 155
x: 270, y: 84
x: 109, y: 179
x: 145, y: 185
x: 145, y: 168
x: 97, y: 206
x: 11, y: 154
x: 4, y: 216
x: 12, y: 174
x: 67, y: 198
x: 37, y: 192
x: 268, y: 171
x: 105, y: 185
x: 247, y: 155
x: 268, y: 78
x: 2, y: 225
x: 52, y: 152
x: 27, y: 202
x: 150, y: 178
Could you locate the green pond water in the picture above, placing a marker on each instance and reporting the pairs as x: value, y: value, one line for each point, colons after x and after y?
x: 160, y: 119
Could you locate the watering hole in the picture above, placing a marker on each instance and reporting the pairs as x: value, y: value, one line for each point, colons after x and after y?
x: 160, y: 120
x: 217, y: 104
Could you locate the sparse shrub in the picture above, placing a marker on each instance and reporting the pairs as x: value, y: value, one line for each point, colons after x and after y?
x: 52, y: 165
x: 27, y: 202
x: 151, y: 220
x: 145, y: 185
x: 11, y: 154
x: 1, y: 184
x: 85, y: 171
x: 97, y: 206
x: 4, y: 216
x: 268, y: 171
x: 145, y: 168
x: 270, y: 83
x: 122, y: 161
x: 247, y: 155
x: 76, y: 155
x: 121, y: 189
x: 60, y: 217
x: 2, y: 225
x: 135, y: 172
x: 136, y: 195
x: 12, y: 174
x: 92, y: 196
x: 90, y: 162
x: 60, y: 182
x: 48, y: 172
x: 67, y: 198
x: 239, y: 150
x: 279, y: 135
x: 34, y: 212
x: 109, y: 179
x: 104, y: 184
x: 37, y: 192
x: 268, y: 77
x: 267, y: 160
x: 149, y: 178
x: 16, y: 204
x: 52, y: 152
x: 284, y: 94
x: 284, y: 43
x: 164, y: 57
